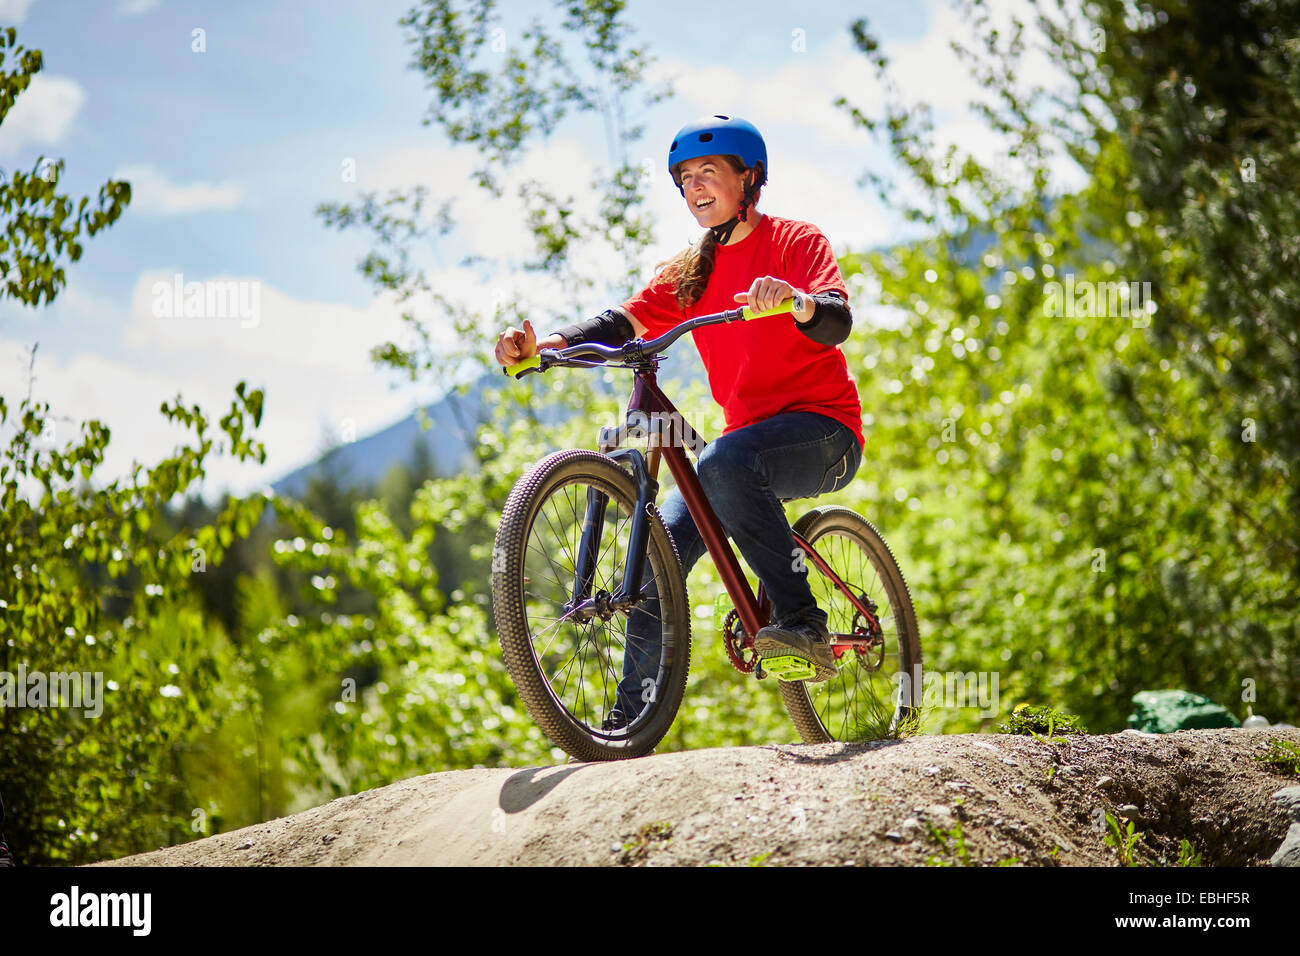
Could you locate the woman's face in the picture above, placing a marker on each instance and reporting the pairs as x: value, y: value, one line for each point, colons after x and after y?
x: 713, y: 189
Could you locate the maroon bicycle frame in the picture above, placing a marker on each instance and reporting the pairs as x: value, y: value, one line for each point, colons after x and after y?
x: 650, y: 400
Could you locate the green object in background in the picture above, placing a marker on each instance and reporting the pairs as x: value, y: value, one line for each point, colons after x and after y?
x: 722, y: 606
x: 1164, y: 711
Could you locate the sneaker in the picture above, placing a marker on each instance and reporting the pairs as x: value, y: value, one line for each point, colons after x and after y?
x: 796, y: 649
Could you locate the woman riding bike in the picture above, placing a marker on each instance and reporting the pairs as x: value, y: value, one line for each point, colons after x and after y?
x: 792, y: 411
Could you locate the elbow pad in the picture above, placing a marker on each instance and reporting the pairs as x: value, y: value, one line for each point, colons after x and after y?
x: 611, y: 327
x: 831, y: 320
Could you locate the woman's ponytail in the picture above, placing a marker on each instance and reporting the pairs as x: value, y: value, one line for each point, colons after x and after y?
x: 690, y: 269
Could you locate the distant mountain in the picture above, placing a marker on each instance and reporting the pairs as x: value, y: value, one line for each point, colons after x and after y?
x: 454, y: 422
x: 454, y: 419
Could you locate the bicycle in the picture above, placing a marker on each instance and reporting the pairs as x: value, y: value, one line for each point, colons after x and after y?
x: 549, y: 527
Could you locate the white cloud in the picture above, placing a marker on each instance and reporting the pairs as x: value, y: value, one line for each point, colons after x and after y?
x: 42, y: 114
x: 14, y: 11
x: 798, y: 95
x: 311, y: 358
x: 133, y: 7
x: 793, y: 103
x: 153, y: 192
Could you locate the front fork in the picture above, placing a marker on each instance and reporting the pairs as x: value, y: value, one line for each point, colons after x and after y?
x: 582, y: 604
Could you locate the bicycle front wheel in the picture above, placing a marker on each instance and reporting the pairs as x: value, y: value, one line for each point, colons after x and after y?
x: 567, y: 667
x: 877, y: 692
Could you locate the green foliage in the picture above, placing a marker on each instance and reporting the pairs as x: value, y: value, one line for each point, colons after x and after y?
x: 1124, y: 841
x: 637, y: 850
x: 98, y: 585
x: 959, y: 854
x: 41, y: 227
x: 1186, y: 855
x: 952, y: 841
x: 1067, y: 491
x: 96, y: 596
x: 1032, y: 721
x: 499, y: 91
x: 1282, y: 757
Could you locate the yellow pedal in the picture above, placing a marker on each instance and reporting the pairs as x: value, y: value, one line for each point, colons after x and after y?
x: 787, y: 667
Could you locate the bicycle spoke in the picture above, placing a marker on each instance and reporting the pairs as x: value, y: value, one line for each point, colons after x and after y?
x: 583, y: 661
x: 849, y: 705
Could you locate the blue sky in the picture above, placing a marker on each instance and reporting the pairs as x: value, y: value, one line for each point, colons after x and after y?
x: 230, y: 150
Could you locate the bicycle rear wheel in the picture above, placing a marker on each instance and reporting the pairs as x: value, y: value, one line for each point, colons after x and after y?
x: 874, y: 693
x: 567, y: 670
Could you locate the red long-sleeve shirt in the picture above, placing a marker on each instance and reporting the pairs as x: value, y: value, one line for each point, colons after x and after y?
x: 763, y: 367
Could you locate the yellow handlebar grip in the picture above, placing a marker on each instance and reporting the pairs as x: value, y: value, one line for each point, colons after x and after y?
x: 792, y: 304
x: 523, y: 366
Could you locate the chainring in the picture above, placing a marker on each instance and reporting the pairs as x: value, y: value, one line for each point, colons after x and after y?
x: 733, y: 638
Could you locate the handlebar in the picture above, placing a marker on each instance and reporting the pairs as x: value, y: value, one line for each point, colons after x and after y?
x: 639, y: 349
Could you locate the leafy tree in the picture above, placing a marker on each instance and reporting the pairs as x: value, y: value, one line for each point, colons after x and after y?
x: 108, y: 666
x: 497, y: 90
x: 99, y: 779
x: 1082, y: 496
x: 40, y: 227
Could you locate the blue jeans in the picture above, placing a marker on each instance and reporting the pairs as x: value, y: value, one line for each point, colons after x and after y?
x: 745, y: 474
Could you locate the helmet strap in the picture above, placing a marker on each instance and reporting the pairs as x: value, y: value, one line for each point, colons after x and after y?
x: 722, y: 233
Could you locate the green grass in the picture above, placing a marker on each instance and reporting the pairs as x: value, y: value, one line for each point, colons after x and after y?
x: 1123, y: 841
x: 1044, y: 721
x: 952, y: 842
x: 1281, y: 757
x: 637, y: 850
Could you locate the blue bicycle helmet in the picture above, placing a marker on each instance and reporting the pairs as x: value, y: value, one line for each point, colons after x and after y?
x: 720, y: 135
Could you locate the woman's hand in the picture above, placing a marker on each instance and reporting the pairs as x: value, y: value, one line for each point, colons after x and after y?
x: 768, y: 292
x: 514, y: 345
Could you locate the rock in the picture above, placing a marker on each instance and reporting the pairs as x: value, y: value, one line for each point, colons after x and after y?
x: 929, y: 771
x: 1130, y: 732
x: 1288, y: 854
x: 1128, y: 811
x: 1070, y: 770
x: 1008, y: 761
x: 1105, y: 783
x: 895, y: 836
x: 940, y: 810
x: 910, y: 827
x: 1289, y: 797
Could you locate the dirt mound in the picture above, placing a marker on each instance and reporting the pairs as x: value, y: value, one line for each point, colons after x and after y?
x: 892, y: 802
